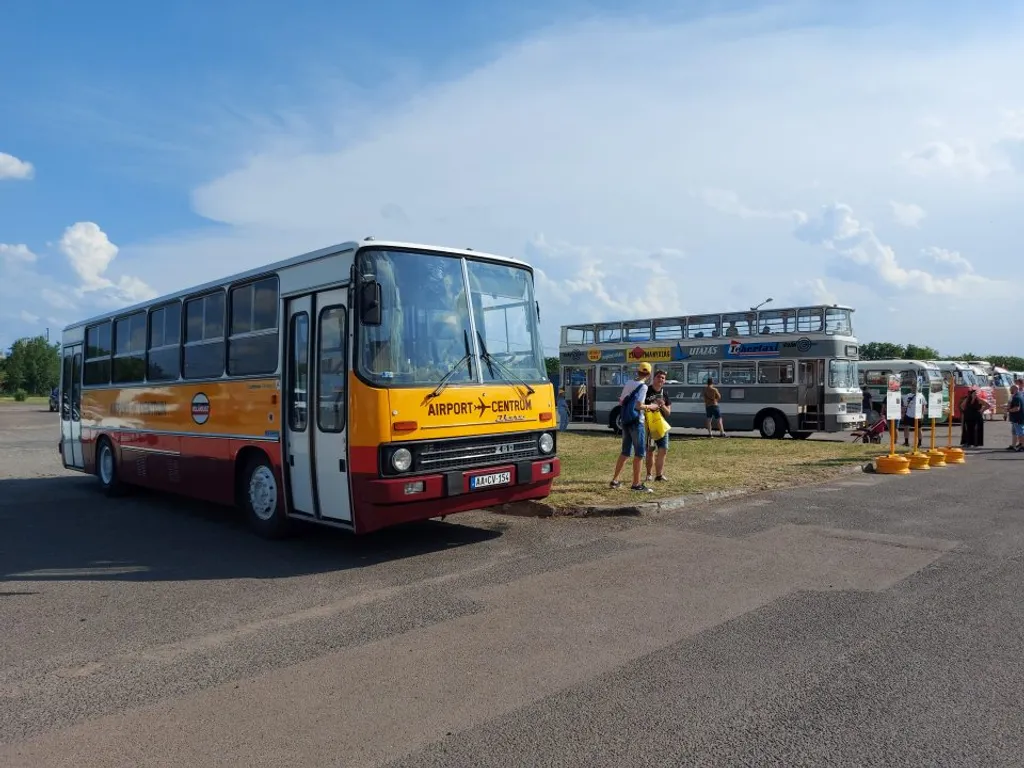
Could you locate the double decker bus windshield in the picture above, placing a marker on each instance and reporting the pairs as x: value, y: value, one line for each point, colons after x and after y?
x: 842, y: 374
x: 425, y: 333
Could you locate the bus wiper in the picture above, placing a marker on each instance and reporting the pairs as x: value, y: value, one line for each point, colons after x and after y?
x: 493, y: 362
x: 466, y: 358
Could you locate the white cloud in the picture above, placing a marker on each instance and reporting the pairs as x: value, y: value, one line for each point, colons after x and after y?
x: 597, y: 282
x: 13, y: 168
x: 950, y: 261
x: 869, y: 261
x: 907, y: 214
x: 728, y: 201
x: 28, y: 317
x: 90, y: 253
x: 57, y: 299
x: 16, y: 253
x: 959, y: 158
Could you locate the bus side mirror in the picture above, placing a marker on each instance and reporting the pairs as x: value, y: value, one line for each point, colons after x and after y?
x: 370, y: 303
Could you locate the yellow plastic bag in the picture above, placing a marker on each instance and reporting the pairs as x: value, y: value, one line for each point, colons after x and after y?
x: 657, y: 427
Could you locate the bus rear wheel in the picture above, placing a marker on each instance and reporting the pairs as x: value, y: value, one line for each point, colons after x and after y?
x: 772, y: 425
x: 260, y: 498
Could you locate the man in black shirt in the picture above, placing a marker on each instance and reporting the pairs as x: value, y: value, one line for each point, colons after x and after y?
x: 656, y: 450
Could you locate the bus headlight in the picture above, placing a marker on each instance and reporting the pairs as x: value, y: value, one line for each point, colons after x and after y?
x: 546, y: 443
x: 401, y: 460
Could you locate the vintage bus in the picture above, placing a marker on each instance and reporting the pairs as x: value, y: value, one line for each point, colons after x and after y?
x: 964, y: 379
x: 874, y: 374
x: 999, y: 380
x: 783, y: 371
x: 360, y: 386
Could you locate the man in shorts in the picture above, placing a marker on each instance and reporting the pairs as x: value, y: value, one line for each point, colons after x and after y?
x: 712, y: 411
x: 634, y: 436
x: 657, y: 449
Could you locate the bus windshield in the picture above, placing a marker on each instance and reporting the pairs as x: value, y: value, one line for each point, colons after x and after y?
x: 425, y: 332
x: 842, y: 374
x: 1002, y: 380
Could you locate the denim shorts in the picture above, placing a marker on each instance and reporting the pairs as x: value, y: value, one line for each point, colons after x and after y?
x: 634, y: 440
x: 712, y: 412
x: 1018, y: 429
x: 661, y: 444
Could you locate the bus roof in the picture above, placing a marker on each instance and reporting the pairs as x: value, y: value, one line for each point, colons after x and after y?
x: 894, y: 362
x: 736, y: 314
x: 320, y: 253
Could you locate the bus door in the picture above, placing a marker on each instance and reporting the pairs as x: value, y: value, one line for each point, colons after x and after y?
x: 316, y: 441
x: 579, y: 391
x: 71, y: 407
x: 812, y: 394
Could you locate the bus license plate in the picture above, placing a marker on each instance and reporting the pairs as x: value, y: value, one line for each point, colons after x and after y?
x: 489, y: 481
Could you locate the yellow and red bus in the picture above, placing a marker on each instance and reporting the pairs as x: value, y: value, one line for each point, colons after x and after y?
x: 362, y: 385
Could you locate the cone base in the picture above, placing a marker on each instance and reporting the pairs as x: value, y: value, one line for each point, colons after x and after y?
x: 892, y: 465
x: 936, y: 458
x: 918, y: 461
x: 954, y: 455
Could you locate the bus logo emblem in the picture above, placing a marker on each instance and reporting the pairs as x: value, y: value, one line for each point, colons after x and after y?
x: 200, y: 408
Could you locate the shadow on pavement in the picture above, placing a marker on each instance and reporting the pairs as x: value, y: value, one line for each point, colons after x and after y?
x: 64, y: 529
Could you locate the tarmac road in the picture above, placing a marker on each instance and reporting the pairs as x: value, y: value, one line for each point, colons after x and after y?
x: 873, y: 621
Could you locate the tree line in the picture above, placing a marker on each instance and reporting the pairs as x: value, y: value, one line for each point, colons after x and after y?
x: 887, y: 350
x: 31, y: 367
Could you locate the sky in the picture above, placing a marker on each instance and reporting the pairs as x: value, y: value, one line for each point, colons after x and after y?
x: 648, y: 159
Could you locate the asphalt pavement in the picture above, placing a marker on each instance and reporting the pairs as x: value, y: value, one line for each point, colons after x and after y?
x: 872, y: 621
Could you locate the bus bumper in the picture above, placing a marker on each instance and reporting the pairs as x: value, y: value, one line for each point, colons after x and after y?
x: 380, y: 502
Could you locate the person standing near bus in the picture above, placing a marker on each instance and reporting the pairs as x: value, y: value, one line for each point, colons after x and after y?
x: 910, y: 424
x: 634, y: 433
x: 712, y: 410
x: 1015, y: 408
x: 657, y: 449
x: 563, y: 410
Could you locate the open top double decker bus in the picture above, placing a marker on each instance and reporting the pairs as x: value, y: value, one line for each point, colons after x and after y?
x: 779, y: 371
x: 362, y: 385
x: 874, y: 374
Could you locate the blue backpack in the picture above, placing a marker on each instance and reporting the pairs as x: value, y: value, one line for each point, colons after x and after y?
x: 630, y: 412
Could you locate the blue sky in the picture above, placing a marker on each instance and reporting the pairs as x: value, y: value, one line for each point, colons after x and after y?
x: 809, y: 151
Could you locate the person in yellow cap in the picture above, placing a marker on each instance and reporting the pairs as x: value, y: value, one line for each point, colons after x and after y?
x: 634, y: 436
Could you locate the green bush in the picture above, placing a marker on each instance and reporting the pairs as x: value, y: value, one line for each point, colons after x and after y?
x: 20, y: 395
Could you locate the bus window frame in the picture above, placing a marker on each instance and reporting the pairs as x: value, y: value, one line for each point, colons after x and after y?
x: 584, y: 331
x: 678, y: 323
x: 107, y: 358
x: 749, y: 319
x: 639, y: 325
x: 271, y: 332
x: 608, y: 327
x: 343, y: 349
x: 705, y: 366
x: 222, y: 339
x: 739, y: 365
x: 780, y: 365
x: 696, y: 324
x: 164, y: 347
x: 615, y: 369
x: 131, y: 353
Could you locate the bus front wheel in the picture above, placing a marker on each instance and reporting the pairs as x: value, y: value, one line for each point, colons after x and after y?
x: 772, y: 425
x: 260, y: 498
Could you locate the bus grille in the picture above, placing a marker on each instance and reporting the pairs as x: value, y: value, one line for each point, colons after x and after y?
x: 456, y: 454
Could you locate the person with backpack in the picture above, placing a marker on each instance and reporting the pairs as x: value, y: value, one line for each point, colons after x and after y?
x: 634, y: 435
